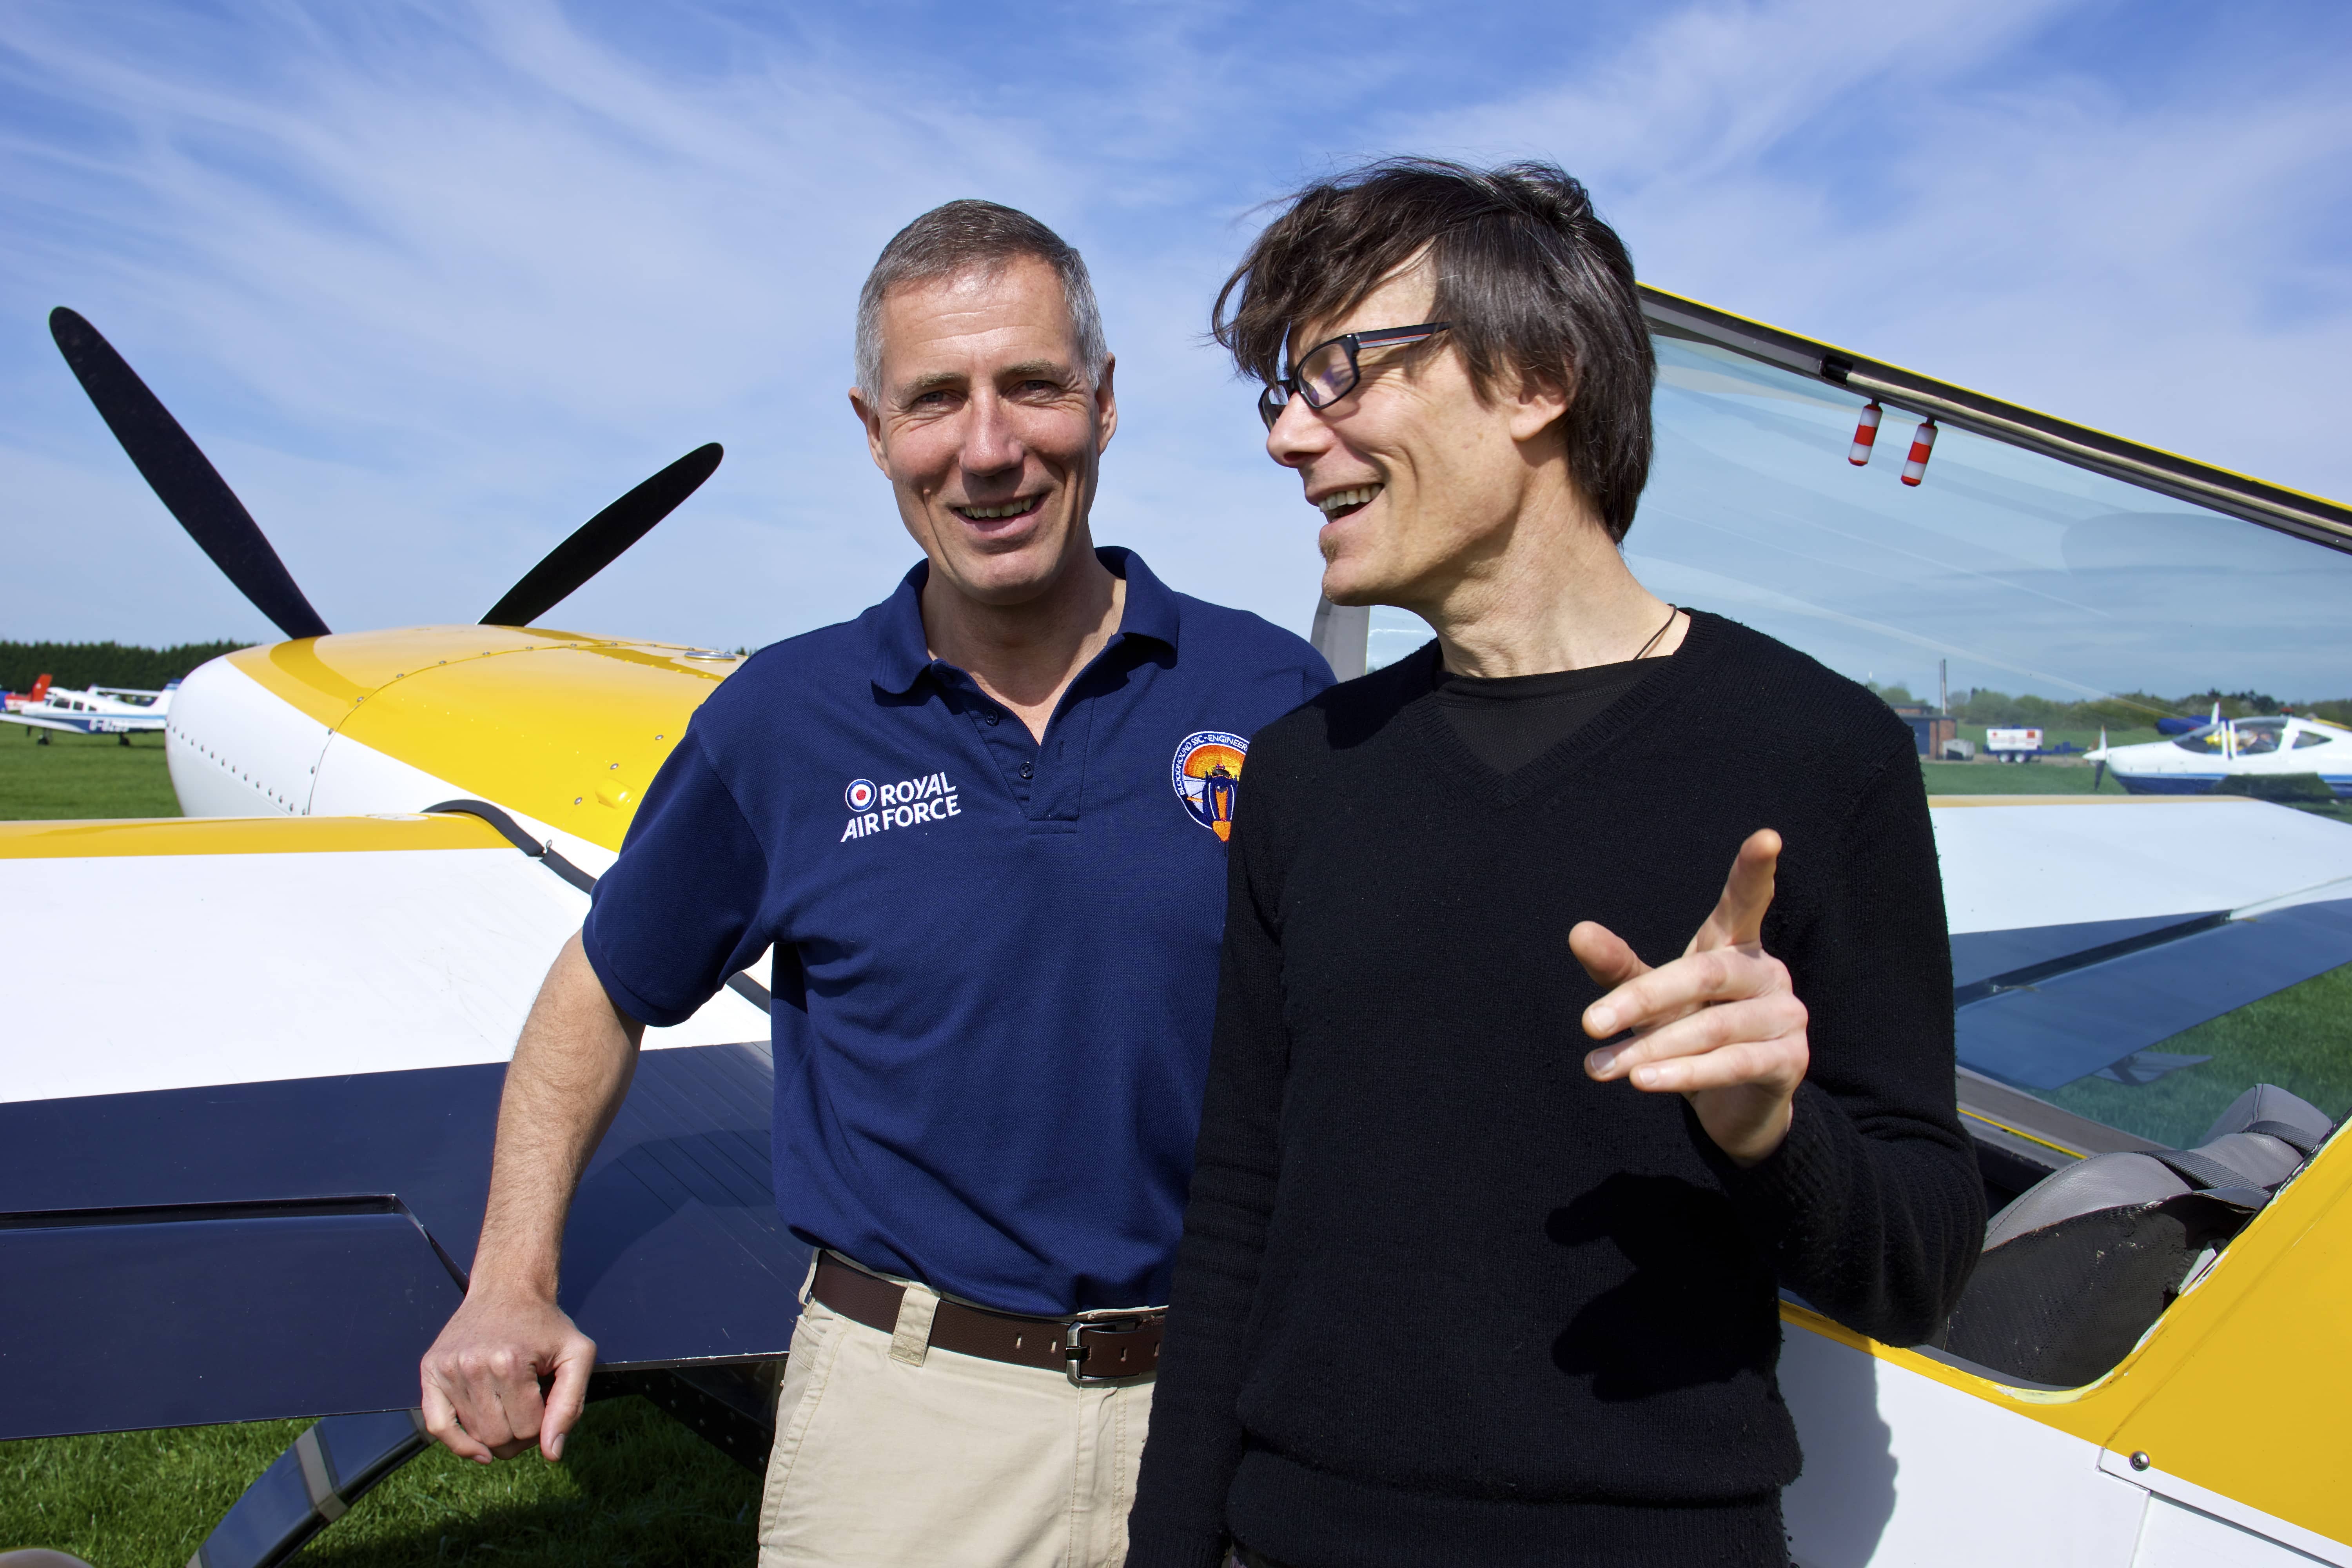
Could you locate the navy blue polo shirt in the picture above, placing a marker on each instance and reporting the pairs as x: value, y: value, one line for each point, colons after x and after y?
x: 997, y: 960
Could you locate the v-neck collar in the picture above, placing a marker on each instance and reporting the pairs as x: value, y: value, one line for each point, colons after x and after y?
x: 1548, y: 770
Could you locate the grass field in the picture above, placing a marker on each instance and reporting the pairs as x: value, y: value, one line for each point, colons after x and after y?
x: 2293, y: 1038
x: 83, y: 775
x: 2066, y: 777
x: 2014, y: 778
x: 635, y: 1487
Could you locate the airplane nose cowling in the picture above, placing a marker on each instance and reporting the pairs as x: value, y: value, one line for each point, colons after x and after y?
x: 237, y: 749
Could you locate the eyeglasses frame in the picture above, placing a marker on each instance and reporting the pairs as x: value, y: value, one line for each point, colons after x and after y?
x: 1350, y: 343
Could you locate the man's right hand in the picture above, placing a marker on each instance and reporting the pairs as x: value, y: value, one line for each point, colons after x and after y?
x: 481, y: 1378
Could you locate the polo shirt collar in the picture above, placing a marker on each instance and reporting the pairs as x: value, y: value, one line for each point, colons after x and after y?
x: 902, y: 653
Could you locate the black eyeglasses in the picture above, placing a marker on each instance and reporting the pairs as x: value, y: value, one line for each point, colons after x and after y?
x: 1328, y: 372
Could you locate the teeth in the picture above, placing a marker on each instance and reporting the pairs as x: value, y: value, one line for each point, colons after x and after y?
x: 985, y: 513
x: 1355, y: 496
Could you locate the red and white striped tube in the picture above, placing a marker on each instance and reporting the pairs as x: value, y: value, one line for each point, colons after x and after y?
x: 1915, y: 466
x: 1865, y: 434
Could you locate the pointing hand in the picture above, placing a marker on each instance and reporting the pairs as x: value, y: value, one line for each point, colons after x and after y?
x: 1720, y: 1026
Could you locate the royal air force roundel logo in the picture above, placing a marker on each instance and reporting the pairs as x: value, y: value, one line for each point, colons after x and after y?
x: 1207, y: 776
x: 859, y: 796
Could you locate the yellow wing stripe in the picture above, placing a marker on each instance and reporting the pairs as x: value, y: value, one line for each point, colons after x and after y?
x: 243, y: 836
x: 1976, y: 800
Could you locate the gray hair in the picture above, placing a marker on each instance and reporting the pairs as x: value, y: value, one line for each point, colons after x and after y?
x: 975, y: 237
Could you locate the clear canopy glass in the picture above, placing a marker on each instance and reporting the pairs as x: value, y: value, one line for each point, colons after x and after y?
x: 2011, y: 588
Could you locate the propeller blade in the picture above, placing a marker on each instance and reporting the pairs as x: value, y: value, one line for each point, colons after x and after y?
x: 188, y: 484
x: 602, y: 539
x: 2098, y: 775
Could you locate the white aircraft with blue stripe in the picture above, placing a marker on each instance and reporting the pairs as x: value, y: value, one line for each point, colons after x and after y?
x: 2199, y: 763
x: 97, y: 710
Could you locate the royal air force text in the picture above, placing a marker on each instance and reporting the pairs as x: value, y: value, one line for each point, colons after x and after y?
x: 917, y: 801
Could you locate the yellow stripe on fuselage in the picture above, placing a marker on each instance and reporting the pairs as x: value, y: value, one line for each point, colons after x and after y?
x: 1976, y: 800
x: 568, y: 730
x: 243, y: 836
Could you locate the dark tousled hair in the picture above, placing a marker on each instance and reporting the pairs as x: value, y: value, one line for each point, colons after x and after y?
x: 1534, y: 284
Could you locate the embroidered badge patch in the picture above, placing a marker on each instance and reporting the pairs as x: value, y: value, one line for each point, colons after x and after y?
x: 1207, y: 777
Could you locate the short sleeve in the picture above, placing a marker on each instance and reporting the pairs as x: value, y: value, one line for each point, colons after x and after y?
x: 679, y: 911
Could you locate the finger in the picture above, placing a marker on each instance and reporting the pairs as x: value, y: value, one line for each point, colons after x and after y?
x: 1771, y: 1066
x: 521, y: 1407
x: 441, y: 1423
x: 476, y: 1388
x: 569, y: 1397
x: 1738, y: 917
x: 1674, y: 990
x: 1606, y: 956
x: 1770, y: 1018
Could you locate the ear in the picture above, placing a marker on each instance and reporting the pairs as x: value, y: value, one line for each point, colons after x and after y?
x: 1105, y: 406
x: 1535, y: 404
x: 872, y: 419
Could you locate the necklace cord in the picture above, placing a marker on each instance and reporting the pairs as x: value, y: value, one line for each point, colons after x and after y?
x: 1672, y: 611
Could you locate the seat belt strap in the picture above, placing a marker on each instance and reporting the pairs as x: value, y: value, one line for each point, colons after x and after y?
x: 2294, y: 1137
x: 2202, y: 1171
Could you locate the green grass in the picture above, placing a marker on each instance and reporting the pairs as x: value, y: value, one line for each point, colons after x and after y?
x: 2294, y: 1039
x: 2014, y: 778
x: 83, y: 775
x: 635, y: 1487
x: 2066, y: 777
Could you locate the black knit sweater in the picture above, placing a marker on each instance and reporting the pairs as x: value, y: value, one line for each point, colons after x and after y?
x: 1440, y: 1296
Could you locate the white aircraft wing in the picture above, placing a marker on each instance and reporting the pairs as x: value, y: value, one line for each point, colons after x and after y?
x: 2087, y: 930
x: 254, y: 1075
x: 281, y: 948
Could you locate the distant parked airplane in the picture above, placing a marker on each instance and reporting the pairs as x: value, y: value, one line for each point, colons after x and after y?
x: 12, y: 700
x: 96, y: 710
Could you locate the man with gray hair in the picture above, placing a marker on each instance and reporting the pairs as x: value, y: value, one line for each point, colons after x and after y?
x: 982, y: 827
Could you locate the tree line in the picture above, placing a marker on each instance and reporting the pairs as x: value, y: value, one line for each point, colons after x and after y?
x: 75, y: 665
x: 2124, y: 711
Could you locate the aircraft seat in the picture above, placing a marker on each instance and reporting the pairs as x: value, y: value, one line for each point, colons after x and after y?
x: 2077, y: 1268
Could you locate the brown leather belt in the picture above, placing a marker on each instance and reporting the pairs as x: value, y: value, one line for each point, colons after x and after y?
x: 1098, y: 1349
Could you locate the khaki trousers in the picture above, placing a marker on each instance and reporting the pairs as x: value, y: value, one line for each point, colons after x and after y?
x: 934, y: 1458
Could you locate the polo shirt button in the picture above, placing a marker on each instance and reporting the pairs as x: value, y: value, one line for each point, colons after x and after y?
x: 1028, y: 769
x: 993, y: 717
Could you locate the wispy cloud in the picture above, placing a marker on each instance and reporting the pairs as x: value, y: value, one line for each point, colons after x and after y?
x: 2132, y: 216
x: 433, y: 282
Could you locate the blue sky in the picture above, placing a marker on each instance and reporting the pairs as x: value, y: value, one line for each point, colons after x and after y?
x: 432, y: 282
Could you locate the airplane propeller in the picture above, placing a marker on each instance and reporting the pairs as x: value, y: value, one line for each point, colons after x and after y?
x: 192, y: 491
x: 603, y: 537
x: 182, y: 479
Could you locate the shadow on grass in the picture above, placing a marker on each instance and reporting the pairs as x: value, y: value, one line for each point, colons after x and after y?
x: 636, y: 1489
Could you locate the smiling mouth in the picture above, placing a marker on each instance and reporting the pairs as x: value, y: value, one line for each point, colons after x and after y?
x: 1347, y: 504
x: 999, y: 511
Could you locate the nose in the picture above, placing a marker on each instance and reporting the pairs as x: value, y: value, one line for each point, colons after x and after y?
x: 991, y: 445
x: 1298, y: 435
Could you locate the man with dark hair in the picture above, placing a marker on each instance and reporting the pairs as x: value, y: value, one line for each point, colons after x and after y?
x: 1482, y: 1252
x: 976, y: 826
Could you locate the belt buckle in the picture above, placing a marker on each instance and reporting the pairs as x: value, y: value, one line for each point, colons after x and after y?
x: 1077, y: 1352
